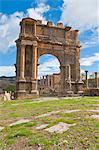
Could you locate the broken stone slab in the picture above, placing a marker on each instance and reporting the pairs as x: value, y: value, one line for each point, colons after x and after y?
x: 70, y: 111
x: 95, y: 105
x: 1, y: 128
x: 20, y: 122
x: 95, y: 116
x: 48, y: 114
x: 43, y: 126
x: 97, y: 110
x: 59, y: 128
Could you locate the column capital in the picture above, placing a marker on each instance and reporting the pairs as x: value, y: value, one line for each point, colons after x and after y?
x: 23, y: 45
x: 34, y: 43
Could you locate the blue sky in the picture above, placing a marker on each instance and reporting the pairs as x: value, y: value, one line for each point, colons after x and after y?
x: 80, y: 14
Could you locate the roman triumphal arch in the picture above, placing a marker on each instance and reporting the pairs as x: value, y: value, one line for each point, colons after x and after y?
x: 36, y: 39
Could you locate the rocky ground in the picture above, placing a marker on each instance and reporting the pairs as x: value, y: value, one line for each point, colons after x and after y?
x: 50, y: 123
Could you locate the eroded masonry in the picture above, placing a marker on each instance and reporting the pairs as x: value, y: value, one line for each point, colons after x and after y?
x: 36, y: 39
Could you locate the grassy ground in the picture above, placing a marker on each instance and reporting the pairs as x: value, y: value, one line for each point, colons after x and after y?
x: 83, y: 136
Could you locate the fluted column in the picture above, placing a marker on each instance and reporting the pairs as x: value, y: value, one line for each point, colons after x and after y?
x: 22, y: 62
x: 77, y: 67
x: 34, y: 62
x: 34, y: 71
x: 21, y: 79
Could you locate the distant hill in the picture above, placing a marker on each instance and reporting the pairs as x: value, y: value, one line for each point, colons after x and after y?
x: 6, y: 81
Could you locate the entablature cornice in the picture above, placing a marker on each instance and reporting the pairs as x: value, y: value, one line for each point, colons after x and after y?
x: 47, y: 45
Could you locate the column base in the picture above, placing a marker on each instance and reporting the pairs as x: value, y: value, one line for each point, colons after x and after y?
x: 21, y: 94
x: 21, y: 79
x: 80, y: 92
x: 22, y: 91
x: 35, y: 92
x: 70, y: 92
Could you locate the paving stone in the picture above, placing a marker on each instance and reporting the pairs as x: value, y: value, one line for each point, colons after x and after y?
x: 48, y: 114
x: 95, y: 105
x: 97, y: 111
x: 43, y: 126
x: 95, y: 116
x: 19, y: 122
x: 59, y: 128
x: 1, y: 128
x: 70, y: 111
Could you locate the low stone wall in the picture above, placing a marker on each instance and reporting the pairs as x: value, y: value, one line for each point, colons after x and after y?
x: 91, y: 92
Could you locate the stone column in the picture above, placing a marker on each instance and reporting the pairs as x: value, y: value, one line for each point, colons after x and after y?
x: 34, y: 62
x: 78, y: 81
x: 34, y: 71
x: 86, y: 74
x: 17, y: 60
x: 48, y: 80
x: 21, y: 79
x: 96, y: 79
x: 68, y: 72
x: 69, y: 78
x: 22, y: 62
x: 77, y: 64
x: 62, y: 81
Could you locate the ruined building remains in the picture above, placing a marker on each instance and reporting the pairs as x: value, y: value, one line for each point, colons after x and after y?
x: 36, y: 39
x: 49, y: 85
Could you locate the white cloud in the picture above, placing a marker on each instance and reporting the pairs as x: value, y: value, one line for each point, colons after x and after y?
x: 90, y: 42
x: 38, y: 12
x: 9, y: 25
x: 49, y: 67
x: 9, y: 29
x: 82, y: 71
x: 88, y: 61
x: 7, y: 71
x: 80, y: 14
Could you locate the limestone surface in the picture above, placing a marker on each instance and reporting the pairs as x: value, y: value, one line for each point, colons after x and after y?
x: 19, y: 122
x: 48, y: 114
x: 95, y: 116
x: 41, y: 126
x: 70, y: 111
x: 96, y: 111
x: 59, y: 128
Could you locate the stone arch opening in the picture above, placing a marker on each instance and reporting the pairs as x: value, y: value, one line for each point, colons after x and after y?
x: 48, y: 75
x: 50, y: 63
